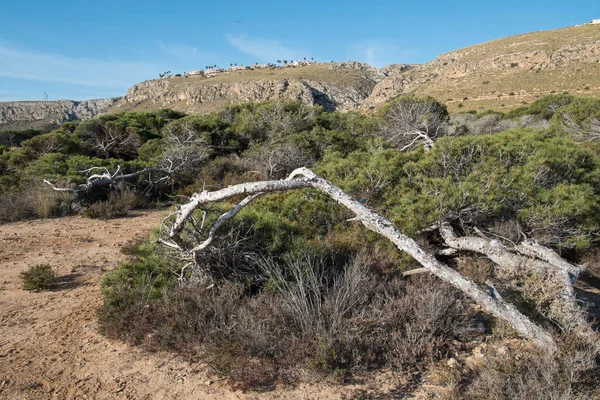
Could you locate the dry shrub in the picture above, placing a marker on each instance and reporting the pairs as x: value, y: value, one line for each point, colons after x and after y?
x: 35, y: 201
x: 477, y: 268
x: 509, y: 231
x: 309, y: 313
x: 428, y: 316
x: 14, y: 208
x: 530, y: 373
x: 120, y: 201
x: 50, y: 203
x: 253, y: 374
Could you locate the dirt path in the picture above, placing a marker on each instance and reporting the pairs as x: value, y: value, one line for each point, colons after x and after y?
x: 49, y: 344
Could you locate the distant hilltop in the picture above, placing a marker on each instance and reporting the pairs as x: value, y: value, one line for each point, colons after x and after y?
x: 496, y: 75
x: 212, y: 72
x: 48, y: 114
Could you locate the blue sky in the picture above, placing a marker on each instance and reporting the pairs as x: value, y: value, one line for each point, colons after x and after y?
x: 80, y: 50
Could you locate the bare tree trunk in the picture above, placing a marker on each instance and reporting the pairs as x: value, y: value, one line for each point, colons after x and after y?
x: 563, y: 308
x: 304, y: 178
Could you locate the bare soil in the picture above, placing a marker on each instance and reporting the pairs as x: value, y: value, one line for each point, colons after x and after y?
x: 50, y: 347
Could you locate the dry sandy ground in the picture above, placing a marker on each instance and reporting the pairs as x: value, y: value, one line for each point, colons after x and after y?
x: 50, y: 347
x: 49, y: 344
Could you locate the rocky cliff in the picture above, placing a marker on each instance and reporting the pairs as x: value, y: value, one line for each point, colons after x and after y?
x: 336, y: 86
x: 47, y: 114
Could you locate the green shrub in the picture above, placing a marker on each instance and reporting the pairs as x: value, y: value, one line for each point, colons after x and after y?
x: 544, y: 107
x: 38, y: 277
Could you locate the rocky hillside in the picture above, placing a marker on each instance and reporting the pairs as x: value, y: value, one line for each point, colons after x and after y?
x: 46, y: 114
x: 505, y: 73
x: 500, y: 75
x: 335, y: 86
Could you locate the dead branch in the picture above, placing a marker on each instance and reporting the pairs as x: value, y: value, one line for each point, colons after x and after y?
x: 304, y: 178
x: 415, y: 271
x: 105, y: 179
x: 533, y: 249
x: 563, y: 309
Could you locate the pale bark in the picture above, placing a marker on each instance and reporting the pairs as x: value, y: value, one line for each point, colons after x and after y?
x: 563, y: 309
x: 532, y: 249
x: 304, y: 178
x: 107, y: 178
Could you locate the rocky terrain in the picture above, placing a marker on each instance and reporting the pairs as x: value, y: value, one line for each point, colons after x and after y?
x: 505, y: 72
x: 46, y: 114
x: 499, y: 75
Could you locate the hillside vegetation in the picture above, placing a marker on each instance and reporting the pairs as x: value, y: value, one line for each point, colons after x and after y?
x: 296, y: 285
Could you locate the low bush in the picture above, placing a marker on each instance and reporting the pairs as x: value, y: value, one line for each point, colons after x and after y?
x: 38, y: 277
x: 527, y: 373
x: 310, y: 312
x: 120, y: 202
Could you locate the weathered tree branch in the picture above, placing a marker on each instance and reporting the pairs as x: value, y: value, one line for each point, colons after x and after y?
x: 304, y: 178
x: 98, y: 180
x: 532, y: 249
x: 563, y: 308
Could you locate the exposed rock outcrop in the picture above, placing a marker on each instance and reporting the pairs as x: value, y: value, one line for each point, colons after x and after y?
x: 204, y: 96
x: 504, y: 72
x: 368, y: 71
x: 531, y: 64
x: 48, y: 114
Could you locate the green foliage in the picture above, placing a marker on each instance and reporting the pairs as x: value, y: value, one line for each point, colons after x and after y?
x: 575, y: 118
x: 145, y: 277
x: 543, y: 107
x: 15, y: 138
x: 261, y: 121
x: 540, y: 183
x: 38, y: 277
x: 532, y: 176
x: 150, y: 152
x: 542, y: 180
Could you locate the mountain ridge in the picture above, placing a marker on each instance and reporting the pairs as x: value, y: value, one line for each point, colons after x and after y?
x: 499, y: 75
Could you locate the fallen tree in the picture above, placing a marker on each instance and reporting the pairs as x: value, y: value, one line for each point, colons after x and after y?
x: 183, y: 234
x: 555, y: 275
x: 103, y: 181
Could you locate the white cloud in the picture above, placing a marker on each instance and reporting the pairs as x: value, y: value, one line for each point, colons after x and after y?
x: 46, y: 67
x: 380, y: 52
x: 264, y: 50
